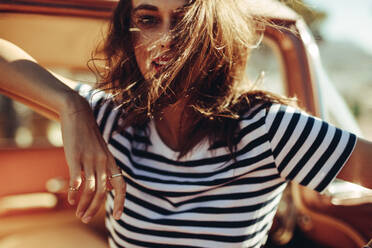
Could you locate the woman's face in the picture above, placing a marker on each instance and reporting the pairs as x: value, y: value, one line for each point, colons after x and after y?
x: 152, y: 22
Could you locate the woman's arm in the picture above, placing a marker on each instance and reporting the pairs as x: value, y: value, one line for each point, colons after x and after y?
x: 23, y: 79
x: 358, y: 169
x: 51, y: 95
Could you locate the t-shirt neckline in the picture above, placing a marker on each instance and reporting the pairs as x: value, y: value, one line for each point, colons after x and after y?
x: 157, y: 141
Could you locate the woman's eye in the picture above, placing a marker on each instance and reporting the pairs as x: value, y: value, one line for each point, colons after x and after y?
x: 147, y: 21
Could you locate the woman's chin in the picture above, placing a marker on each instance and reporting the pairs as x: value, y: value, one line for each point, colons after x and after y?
x: 155, y: 72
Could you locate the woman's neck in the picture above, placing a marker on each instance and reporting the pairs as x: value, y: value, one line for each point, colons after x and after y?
x: 173, y: 124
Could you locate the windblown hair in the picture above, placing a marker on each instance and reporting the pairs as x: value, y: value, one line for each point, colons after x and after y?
x: 210, y: 47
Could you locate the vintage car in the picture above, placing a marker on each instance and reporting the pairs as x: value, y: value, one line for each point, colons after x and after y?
x: 61, y: 35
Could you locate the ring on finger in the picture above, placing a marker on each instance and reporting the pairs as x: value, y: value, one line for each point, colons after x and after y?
x: 115, y: 175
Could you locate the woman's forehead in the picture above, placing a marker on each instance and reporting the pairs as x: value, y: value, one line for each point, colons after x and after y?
x: 161, y: 5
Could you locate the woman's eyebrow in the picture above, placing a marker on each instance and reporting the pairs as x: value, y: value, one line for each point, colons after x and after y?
x: 145, y: 7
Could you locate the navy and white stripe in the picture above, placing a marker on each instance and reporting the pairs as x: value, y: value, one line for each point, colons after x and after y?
x: 306, y: 149
x: 206, y: 199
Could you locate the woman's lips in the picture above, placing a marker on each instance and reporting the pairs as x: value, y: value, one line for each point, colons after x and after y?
x: 160, y: 62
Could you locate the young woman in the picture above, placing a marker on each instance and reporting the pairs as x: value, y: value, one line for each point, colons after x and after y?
x: 198, y: 155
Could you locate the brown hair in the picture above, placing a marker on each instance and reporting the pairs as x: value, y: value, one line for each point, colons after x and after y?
x: 212, y: 42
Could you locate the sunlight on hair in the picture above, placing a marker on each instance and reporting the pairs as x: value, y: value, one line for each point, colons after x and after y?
x: 134, y: 30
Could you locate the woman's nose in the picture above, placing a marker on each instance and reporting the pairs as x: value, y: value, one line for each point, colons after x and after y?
x: 165, y: 44
x: 165, y: 41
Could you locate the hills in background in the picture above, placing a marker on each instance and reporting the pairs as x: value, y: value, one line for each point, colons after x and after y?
x: 350, y: 70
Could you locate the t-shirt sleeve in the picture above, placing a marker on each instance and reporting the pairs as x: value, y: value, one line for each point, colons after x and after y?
x: 103, y: 108
x: 306, y: 149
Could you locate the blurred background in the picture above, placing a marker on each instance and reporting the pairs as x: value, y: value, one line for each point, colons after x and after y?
x: 342, y: 30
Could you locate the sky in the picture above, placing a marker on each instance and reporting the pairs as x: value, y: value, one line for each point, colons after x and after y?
x: 347, y: 20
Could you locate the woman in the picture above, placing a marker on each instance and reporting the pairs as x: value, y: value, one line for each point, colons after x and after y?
x: 204, y: 156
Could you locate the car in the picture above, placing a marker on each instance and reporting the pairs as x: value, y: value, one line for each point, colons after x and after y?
x: 33, y: 178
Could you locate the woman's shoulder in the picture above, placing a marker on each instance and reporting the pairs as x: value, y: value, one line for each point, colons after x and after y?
x: 267, y: 107
x: 92, y: 94
x: 255, y: 110
x: 105, y: 111
x: 256, y: 102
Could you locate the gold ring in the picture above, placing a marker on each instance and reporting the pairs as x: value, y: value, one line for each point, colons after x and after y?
x: 116, y: 175
x: 71, y: 188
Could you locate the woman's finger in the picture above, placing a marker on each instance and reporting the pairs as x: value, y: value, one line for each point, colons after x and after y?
x: 100, y: 194
x: 119, y: 189
x: 75, y: 180
x: 89, y: 187
x: 119, y: 186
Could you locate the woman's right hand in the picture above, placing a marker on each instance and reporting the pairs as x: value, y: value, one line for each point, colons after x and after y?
x: 91, y: 164
x: 86, y: 152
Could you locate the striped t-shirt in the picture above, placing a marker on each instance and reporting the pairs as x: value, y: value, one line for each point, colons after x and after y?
x: 206, y: 199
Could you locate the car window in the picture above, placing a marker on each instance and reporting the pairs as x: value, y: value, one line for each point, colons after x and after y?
x: 265, y: 68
